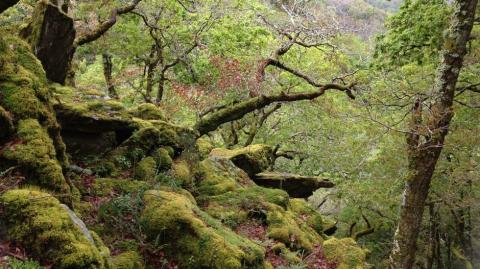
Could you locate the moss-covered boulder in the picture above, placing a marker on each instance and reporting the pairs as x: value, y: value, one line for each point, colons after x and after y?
x: 146, y: 169
x: 37, y: 147
x: 38, y: 222
x: 193, y: 238
x: 148, y: 111
x: 204, y: 147
x: 128, y: 260
x: 228, y: 194
x: 252, y: 159
x: 163, y: 157
x: 138, y: 146
x: 36, y: 154
x: 345, y: 253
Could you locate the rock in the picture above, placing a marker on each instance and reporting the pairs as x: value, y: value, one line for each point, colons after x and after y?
x: 345, y: 253
x: 295, y: 185
x: 252, y: 159
x: 79, y: 223
x: 38, y: 222
x: 193, y: 238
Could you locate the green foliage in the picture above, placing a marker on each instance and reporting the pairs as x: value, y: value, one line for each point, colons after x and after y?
x: 414, y: 34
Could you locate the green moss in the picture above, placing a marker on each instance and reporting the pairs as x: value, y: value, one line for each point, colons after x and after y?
x: 146, y: 169
x: 181, y: 172
x: 148, y: 112
x: 220, y: 176
x: 37, y: 154
x: 104, y: 186
x: 193, y: 238
x: 303, y: 210
x: 140, y: 144
x: 39, y: 223
x: 25, y: 95
x: 286, y: 227
x: 345, y: 252
x: 128, y: 260
x: 163, y: 158
x: 203, y: 147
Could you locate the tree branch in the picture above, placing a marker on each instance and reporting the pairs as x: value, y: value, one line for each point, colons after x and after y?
x: 213, y: 120
x: 104, y: 26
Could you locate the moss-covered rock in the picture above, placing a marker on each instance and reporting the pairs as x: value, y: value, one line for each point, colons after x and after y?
x: 146, y: 169
x: 182, y: 173
x: 105, y: 186
x: 137, y: 147
x: 163, y: 157
x: 36, y: 154
x: 252, y: 159
x: 345, y: 253
x: 193, y: 238
x: 148, y: 111
x: 25, y: 95
x: 38, y: 222
x: 204, y: 147
x: 128, y: 260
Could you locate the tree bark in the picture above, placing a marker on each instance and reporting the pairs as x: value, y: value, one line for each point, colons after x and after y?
x: 51, y: 34
x: 213, y: 120
x: 424, y: 149
x: 107, y: 72
x: 161, y: 87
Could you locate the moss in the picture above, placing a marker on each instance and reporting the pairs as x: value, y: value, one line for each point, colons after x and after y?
x: 163, y: 158
x: 25, y: 95
x: 204, y: 147
x: 303, y: 210
x: 148, y: 112
x: 104, y: 186
x: 220, y: 176
x: 146, y: 169
x: 252, y: 159
x: 37, y: 154
x: 286, y: 227
x: 345, y: 253
x: 38, y: 222
x: 193, y: 238
x: 139, y: 145
x: 128, y: 260
x: 181, y: 172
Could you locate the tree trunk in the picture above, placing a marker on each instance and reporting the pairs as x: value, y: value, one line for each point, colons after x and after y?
x: 53, y: 42
x: 107, y: 72
x: 424, y: 151
x: 161, y: 87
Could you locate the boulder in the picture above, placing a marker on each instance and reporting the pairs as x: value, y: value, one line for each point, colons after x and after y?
x: 252, y: 159
x: 295, y: 185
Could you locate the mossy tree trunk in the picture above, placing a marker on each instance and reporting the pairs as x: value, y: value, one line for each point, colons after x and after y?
x: 51, y: 34
x: 424, y: 148
x: 107, y: 73
x: 213, y: 120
